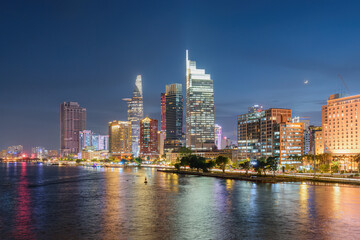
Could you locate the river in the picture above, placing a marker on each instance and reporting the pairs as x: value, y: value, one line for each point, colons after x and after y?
x: 54, y: 202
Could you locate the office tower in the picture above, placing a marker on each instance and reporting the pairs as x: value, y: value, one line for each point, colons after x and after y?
x: 255, y: 108
x: 149, y: 138
x: 218, y: 136
x: 39, y: 152
x: 306, y: 133
x: 200, y: 110
x: 291, y: 142
x: 258, y: 133
x: 136, y: 113
x: 248, y: 135
x: 163, y: 112
x: 174, y: 116
x: 72, y: 121
x: 341, y: 130
x: 120, y: 138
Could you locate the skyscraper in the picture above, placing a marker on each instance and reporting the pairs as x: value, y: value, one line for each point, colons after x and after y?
x: 72, y: 121
x: 163, y: 112
x: 136, y: 113
x: 200, y: 109
x: 174, y: 115
x: 218, y: 136
x: 149, y: 138
x: 120, y: 138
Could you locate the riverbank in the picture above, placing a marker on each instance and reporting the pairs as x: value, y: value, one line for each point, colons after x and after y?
x: 265, y: 179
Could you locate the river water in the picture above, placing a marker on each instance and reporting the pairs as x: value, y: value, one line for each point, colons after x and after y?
x: 52, y: 202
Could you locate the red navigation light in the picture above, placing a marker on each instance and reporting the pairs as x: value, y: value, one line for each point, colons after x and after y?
x: 24, y: 155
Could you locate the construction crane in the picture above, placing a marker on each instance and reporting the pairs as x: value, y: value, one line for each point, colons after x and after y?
x: 346, y: 87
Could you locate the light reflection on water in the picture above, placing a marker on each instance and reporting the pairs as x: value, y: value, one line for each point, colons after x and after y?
x: 51, y: 202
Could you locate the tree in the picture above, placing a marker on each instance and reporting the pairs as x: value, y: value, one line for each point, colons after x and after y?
x: 210, y: 164
x: 335, y: 166
x: 272, y: 164
x: 185, y: 152
x: 357, y: 160
x: 222, y: 161
x: 324, y: 168
x: 197, y: 162
x: 78, y: 161
x: 138, y: 160
x: 184, y: 161
x: 177, y: 166
x: 245, y: 164
x: 260, y: 165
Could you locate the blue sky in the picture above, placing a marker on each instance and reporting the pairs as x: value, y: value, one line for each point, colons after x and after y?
x: 257, y: 52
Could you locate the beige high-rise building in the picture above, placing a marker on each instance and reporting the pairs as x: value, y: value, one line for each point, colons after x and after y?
x: 291, y: 142
x: 319, y: 142
x: 120, y: 138
x: 341, y: 131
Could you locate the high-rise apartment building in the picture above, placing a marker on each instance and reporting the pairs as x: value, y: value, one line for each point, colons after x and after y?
x: 291, y: 142
x: 120, y: 138
x: 149, y: 138
x: 174, y: 116
x: 341, y: 129
x: 200, y: 109
x: 72, y: 121
x: 218, y: 136
x: 136, y: 113
x: 258, y: 133
x: 163, y: 112
x: 306, y: 133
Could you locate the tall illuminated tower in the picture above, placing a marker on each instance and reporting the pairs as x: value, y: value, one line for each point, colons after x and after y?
x: 200, y: 109
x: 72, y: 121
x: 136, y: 113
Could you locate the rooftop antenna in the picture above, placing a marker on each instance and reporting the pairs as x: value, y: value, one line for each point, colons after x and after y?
x: 343, y: 81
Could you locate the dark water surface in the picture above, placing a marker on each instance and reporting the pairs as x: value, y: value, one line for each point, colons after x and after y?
x: 52, y: 202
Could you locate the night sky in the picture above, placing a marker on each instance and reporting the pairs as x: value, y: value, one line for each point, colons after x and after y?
x: 257, y: 52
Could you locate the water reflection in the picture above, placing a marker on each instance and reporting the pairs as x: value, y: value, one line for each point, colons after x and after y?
x: 114, y: 203
x: 23, y: 217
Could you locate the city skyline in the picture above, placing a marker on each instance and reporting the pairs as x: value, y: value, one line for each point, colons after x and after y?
x: 41, y: 72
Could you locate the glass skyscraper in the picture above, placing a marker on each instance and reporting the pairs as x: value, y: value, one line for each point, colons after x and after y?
x: 200, y: 109
x: 135, y: 114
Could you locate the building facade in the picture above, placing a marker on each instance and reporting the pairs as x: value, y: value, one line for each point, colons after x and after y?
x: 174, y: 116
x: 136, y: 113
x: 90, y: 139
x: 341, y: 129
x: 258, y: 133
x: 291, y: 142
x: 163, y: 112
x: 120, y: 138
x: 200, y: 108
x: 149, y: 138
x: 72, y: 121
x: 218, y: 136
